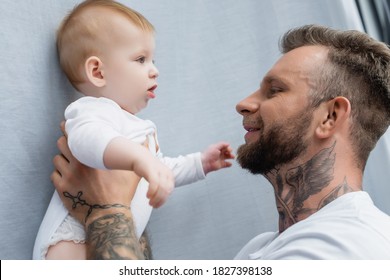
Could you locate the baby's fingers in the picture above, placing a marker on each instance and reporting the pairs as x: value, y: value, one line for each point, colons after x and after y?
x: 159, y: 191
x: 159, y: 197
x: 158, y: 200
x: 152, y: 191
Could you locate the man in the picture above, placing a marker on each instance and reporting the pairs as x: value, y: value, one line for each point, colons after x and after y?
x: 317, y: 115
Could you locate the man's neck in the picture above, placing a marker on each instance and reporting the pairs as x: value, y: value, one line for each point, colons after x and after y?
x: 303, y: 189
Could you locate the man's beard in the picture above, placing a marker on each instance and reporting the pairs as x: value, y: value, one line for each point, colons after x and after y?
x: 283, y: 143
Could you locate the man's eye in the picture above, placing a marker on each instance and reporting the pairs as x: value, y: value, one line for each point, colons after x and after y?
x: 274, y: 90
x: 141, y: 59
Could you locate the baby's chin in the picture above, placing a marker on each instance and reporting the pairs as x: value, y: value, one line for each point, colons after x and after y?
x: 135, y: 109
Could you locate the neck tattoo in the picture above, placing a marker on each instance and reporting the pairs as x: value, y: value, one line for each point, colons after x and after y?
x: 300, y: 183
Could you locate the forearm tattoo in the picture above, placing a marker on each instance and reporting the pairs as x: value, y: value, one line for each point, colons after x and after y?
x: 78, y: 200
x: 112, y: 237
x: 145, y: 246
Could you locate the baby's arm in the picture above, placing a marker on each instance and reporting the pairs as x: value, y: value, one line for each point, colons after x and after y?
x: 193, y: 167
x: 124, y: 154
x: 94, y: 137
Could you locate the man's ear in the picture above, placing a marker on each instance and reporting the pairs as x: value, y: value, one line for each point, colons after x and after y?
x: 333, y: 115
x: 94, y: 70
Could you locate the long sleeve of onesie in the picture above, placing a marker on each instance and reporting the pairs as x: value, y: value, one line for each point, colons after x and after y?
x: 186, y: 169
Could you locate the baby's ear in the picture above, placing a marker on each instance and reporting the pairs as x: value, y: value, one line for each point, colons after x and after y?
x: 94, y: 71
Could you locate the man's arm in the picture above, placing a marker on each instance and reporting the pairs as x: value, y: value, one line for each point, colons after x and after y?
x: 145, y: 246
x: 112, y: 237
x: 99, y: 200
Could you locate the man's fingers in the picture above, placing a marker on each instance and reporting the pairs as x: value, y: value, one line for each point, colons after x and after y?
x: 58, y: 182
x: 62, y: 126
x: 55, y: 177
x: 62, y: 145
x: 59, y: 161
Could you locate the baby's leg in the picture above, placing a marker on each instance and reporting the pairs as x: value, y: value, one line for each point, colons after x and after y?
x: 67, y: 243
x: 67, y: 250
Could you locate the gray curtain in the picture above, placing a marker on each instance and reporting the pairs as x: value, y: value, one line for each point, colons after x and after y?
x: 211, y: 54
x: 375, y: 16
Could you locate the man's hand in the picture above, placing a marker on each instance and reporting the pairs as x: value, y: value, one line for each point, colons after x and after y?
x: 215, y: 157
x: 103, y: 196
x: 80, y: 186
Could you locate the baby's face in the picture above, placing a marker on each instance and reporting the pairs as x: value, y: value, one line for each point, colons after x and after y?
x: 129, y: 68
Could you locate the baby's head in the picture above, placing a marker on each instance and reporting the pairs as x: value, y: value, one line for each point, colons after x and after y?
x: 106, y: 50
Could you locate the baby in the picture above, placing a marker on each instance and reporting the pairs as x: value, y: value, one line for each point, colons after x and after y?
x: 106, y: 50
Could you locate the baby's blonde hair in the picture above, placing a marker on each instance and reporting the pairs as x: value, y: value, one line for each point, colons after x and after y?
x: 81, y: 36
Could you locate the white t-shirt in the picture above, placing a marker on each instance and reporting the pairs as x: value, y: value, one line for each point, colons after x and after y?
x: 350, y: 227
x: 91, y: 123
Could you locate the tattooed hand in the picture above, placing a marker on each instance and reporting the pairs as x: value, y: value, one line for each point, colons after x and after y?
x: 85, y: 191
x: 99, y: 199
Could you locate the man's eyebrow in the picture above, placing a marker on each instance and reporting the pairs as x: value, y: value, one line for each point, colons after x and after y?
x: 270, y: 79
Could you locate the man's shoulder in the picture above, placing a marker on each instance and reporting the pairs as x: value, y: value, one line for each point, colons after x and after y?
x: 351, y: 227
x: 257, y: 243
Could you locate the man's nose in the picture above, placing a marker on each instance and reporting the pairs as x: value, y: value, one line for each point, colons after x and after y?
x: 248, y: 105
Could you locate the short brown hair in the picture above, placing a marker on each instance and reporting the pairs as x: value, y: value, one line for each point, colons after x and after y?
x: 358, y: 68
x: 78, y: 36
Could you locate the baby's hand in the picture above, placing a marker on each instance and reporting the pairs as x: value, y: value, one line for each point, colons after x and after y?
x: 160, y: 178
x: 215, y: 157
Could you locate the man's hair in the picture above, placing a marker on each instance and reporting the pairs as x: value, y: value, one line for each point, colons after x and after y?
x: 357, y: 68
x: 81, y: 35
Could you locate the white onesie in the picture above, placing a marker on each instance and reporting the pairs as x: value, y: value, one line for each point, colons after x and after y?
x: 91, y: 123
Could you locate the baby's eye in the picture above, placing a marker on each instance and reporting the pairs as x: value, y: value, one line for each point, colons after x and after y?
x: 141, y: 59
